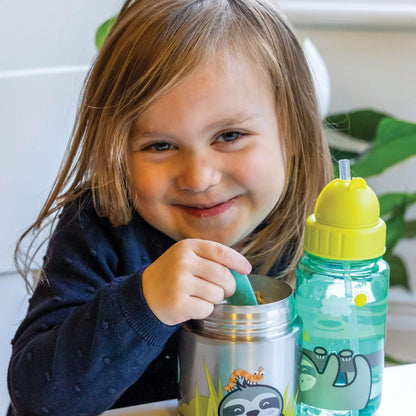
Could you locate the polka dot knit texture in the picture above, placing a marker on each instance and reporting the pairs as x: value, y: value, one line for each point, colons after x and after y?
x: 89, y: 342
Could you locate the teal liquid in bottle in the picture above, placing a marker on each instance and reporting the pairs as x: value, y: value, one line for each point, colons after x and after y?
x: 341, y: 295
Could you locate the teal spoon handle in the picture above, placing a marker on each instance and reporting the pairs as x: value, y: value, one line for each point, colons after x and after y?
x: 244, y: 294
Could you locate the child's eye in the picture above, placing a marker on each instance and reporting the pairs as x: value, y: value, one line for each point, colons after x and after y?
x: 159, y: 147
x: 230, y: 136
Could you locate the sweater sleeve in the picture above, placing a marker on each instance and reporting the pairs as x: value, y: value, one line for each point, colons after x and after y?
x: 89, y: 333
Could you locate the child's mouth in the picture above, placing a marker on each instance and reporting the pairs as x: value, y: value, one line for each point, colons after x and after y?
x: 209, y: 210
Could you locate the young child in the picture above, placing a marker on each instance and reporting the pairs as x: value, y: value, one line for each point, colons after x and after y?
x: 197, y: 149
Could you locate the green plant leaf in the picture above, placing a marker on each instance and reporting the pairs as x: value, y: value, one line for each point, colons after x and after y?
x: 409, y: 229
x: 390, y: 201
x: 395, y: 142
x: 388, y: 359
x: 361, y: 124
x: 395, y: 227
x: 103, y: 30
x: 398, y: 273
x: 390, y: 129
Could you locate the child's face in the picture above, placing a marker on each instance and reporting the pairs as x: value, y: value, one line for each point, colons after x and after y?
x: 206, y: 159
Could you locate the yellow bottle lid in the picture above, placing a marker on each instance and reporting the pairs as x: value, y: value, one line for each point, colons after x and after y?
x: 346, y: 223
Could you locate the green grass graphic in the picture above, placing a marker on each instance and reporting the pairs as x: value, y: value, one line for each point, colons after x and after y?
x: 202, y: 405
x: 208, y: 406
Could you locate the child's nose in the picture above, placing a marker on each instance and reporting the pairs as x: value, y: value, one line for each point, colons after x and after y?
x: 199, y: 173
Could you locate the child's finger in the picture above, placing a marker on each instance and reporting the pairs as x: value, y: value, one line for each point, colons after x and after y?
x: 199, y: 308
x: 222, y: 254
x: 216, y: 274
x: 208, y: 291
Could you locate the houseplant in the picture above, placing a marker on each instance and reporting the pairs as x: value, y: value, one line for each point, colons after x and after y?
x: 389, y: 142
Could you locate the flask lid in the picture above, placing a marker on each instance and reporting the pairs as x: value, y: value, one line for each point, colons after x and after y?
x: 346, y: 223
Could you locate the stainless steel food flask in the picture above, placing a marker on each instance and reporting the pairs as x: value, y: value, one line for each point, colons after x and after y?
x: 243, y: 359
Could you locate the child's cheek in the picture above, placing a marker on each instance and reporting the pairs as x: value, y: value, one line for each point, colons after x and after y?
x: 148, y: 181
x: 261, y: 172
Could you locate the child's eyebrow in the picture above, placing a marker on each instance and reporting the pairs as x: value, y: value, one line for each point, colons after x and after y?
x: 214, y: 126
x: 230, y: 121
x: 151, y: 134
x: 139, y: 133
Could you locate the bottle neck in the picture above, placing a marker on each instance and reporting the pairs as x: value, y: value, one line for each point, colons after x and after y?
x: 353, y: 266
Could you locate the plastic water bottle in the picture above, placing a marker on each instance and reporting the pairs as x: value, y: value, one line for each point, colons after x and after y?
x: 341, y: 295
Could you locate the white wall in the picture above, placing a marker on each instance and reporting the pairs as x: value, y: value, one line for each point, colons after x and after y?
x: 47, y: 45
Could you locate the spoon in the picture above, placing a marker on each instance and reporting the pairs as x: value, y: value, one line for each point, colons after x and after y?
x: 244, y: 294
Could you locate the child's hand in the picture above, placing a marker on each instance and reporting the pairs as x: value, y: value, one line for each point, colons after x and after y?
x: 191, y: 277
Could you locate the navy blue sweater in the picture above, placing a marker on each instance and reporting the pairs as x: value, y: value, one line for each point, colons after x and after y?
x: 89, y: 341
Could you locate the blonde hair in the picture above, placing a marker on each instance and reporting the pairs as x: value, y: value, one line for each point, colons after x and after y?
x: 152, y: 46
